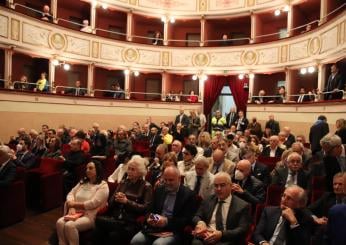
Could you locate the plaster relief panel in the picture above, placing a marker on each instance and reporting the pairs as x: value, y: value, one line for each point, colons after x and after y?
x: 298, y: 50
x: 3, y: 26
x: 226, y: 4
x: 268, y: 56
x: 110, y: 52
x: 149, y: 57
x: 35, y: 35
x: 78, y: 46
x: 175, y: 5
x: 225, y: 59
x: 181, y: 59
x: 329, y: 39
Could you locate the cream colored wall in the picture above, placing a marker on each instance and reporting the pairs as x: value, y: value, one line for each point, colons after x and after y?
x: 299, y: 117
x: 31, y: 111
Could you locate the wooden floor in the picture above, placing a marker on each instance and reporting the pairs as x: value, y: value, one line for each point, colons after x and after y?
x: 34, y: 230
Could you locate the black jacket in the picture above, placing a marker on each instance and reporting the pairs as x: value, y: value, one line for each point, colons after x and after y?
x: 261, y: 172
x: 317, y: 131
x: 254, y: 191
x: 8, y: 174
x: 266, y: 152
x: 280, y: 175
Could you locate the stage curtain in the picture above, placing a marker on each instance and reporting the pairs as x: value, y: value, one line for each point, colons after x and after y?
x: 240, y: 94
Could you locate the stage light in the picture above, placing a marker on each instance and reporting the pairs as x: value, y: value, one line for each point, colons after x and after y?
x: 241, y: 76
x: 172, y: 19
x: 194, y: 77
x: 126, y: 72
x: 55, y: 62
x: 251, y: 76
x: 286, y: 8
x: 136, y: 73
x: 277, y: 12
x: 311, y: 69
x: 303, y: 71
x: 67, y: 67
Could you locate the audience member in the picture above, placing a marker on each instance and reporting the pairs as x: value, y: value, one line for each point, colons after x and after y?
x: 200, y: 180
x: 166, y: 137
x: 53, y: 150
x: 177, y: 149
x: 158, y: 39
x: 273, y: 149
x: 288, y: 224
x: 258, y: 170
x: 319, y: 129
x: 192, y: 98
x: 202, y: 119
x: 118, y: 92
x: 184, y: 120
x: 171, y: 209
x: 255, y: 128
x: 40, y: 146
x: 76, y: 90
x: 42, y: 84
x: 130, y: 200
x: 23, y: 84
x: 192, y: 140
x: 282, y: 136
x: 273, y: 125
x: 340, y: 125
x: 218, y: 163
x: 222, y: 218
x: 290, y: 137
x: 23, y: 157
x: 232, y: 150
x: 82, y: 205
x: 260, y: 99
x: 292, y: 174
x: 334, y: 83
x: 122, y: 146
x: 218, y: 122
x: 195, y: 123
x: 46, y: 15
x: 225, y: 40
x: 86, y: 27
x: 204, y: 142
x: 241, y: 122
x: 231, y: 117
x: 7, y: 166
x: 303, y: 96
x: 187, y: 164
x: 336, y: 223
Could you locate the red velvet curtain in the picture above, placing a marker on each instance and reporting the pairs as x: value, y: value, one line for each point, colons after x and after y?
x: 212, y: 89
x: 240, y: 94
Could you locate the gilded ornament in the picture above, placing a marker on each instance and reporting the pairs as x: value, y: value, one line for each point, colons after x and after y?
x: 314, y: 45
x: 202, y: 5
x: 200, y: 59
x: 131, y: 55
x: 15, y: 29
x: 249, y: 57
x: 95, y: 50
x: 165, y: 58
x: 57, y: 41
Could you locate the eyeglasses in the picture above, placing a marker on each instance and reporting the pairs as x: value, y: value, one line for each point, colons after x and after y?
x: 186, y: 153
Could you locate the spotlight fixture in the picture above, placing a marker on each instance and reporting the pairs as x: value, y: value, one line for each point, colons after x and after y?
x: 241, y: 76
x: 104, y: 5
x: 303, y: 71
x: 55, y: 62
x: 194, y: 77
x: 163, y: 18
x: 286, y: 8
x: 201, y: 76
x: 277, y: 12
x: 172, y: 20
x: 127, y: 72
x: 136, y: 73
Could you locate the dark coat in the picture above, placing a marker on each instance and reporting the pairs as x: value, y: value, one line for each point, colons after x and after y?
x: 261, y: 172
x: 266, y: 152
x: 254, y: 191
x: 280, y: 177
x: 317, y: 131
x: 7, y: 174
x: 274, y: 126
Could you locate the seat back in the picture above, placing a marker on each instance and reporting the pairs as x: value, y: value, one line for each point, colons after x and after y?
x: 270, y: 162
x: 50, y: 165
x: 274, y: 193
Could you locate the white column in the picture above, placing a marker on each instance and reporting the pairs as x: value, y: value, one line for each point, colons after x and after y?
x: 51, y: 75
x: 10, y: 4
x: 202, y: 31
x: 129, y: 26
x: 93, y: 17
x: 321, y: 77
x: 288, y: 79
x: 323, y: 11
x: 164, y: 85
x: 251, y: 86
x: 8, y: 67
x: 289, y: 21
x: 91, y: 80
x: 127, y: 85
x: 201, y: 90
x: 253, y: 28
x: 54, y: 9
x: 166, y: 25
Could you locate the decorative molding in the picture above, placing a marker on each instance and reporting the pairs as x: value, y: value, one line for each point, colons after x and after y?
x: 3, y: 26
x: 35, y: 35
x: 95, y: 49
x: 15, y: 29
x: 57, y: 41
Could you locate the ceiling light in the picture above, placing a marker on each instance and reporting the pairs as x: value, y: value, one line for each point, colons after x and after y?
x: 204, y: 77
x: 104, y: 5
x: 303, y: 71
x: 94, y: 3
x: 163, y: 18
x: 241, y: 76
x: 194, y: 77
x: 172, y: 19
x: 277, y: 12
x: 67, y: 67
x: 136, y: 73
x: 126, y: 72
x: 311, y: 69
x: 251, y: 76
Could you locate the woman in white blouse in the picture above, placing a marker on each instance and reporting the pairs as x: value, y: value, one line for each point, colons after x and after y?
x: 84, y: 200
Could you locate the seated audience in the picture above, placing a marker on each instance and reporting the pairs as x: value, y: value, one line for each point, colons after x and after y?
x: 158, y: 40
x: 99, y: 144
x: 273, y: 150
x: 282, y: 140
x: 192, y: 140
x: 7, y: 166
x: 192, y: 98
x: 177, y: 149
x: 120, y: 172
x: 225, y: 40
x: 303, y: 96
x: 222, y: 218
x: 166, y: 137
x: 260, y: 99
x: 233, y: 151
x: 258, y: 170
x: 130, y: 200
x: 118, y: 93
x: 22, y: 84
x: 200, y: 180
x: 170, y: 211
x: 53, y: 150
x: 179, y: 133
x: 273, y: 125
x: 40, y: 146
x: 288, y: 224
x: 154, y: 140
x: 23, y: 157
x: 122, y: 145
x: 187, y: 164
x: 255, y: 143
x: 290, y: 137
x: 42, y: 84
x: 82, y: 205
x: 154, y: 169
x: 336, y: 225
x: 204, y: 141
x: 86, y: 27
x: 82, y: 137
x: 46, y: 15
x: 218, y: 163
x: 169, y: 159
x: 255, y: 128
x: 292, y: 174
x: 77, y: 90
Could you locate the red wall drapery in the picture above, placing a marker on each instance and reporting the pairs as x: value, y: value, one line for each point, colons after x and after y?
x: 240, y: 95
x: 212, y: 89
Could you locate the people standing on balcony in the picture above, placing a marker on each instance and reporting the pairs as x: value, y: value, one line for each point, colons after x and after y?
x: 335, y: 83
x: 192, y: 97
x: 86, y: 27
x: 46, y: 15
x: 158, y: 39
x: 42, y: 83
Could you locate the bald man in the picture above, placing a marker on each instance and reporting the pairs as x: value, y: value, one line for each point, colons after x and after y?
x: 218, y: 163
x: 288, y: 224
x: 7, y: 167
x: 171, y: 209
x: 246, y: 186
x: 222, y: 218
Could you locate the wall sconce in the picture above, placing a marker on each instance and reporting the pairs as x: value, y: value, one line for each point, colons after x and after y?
x: 242, y: 76
x: 277, y: 12
x: 201, y: 76
x: 310, y: 69
x: 128, y: 71
x: 165, y: 19
x: 65, y: 65
x: 94, y: 3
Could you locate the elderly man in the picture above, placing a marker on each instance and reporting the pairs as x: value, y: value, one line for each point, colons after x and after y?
x: 7, y: 167
x: 77, y: 90
x: 232, y: 150
x: 218, y: 163
x: 177, y: 149
x: 273, y: 150
x: 200, y: 180
x: 231, y: 117
x: 293, y: 174
x: 192, y: 140
x: 171, y: 209
x: 258, y: 170
x: 246, y: 186
x: 290, y: 137
x: 183, y: 119
x: 288, y: 224
x: 335, y: 159
x: 222, y: 218
x: 273, y: 125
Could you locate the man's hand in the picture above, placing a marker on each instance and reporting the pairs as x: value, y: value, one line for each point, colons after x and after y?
x: 120, y: 198
x: 289, y: 215
x: 237, y: 188
x: 213, y: 237
x: 321, y: 221
x: 160, y: 222
x: 200, y: 230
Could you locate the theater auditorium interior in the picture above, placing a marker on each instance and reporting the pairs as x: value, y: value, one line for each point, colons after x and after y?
x: 173, y: 122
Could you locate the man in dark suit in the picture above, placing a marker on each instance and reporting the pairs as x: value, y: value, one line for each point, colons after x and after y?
x: 241, y: 122
x: 290, y: 139
x: 335, y: 82
x: 23, y: 157
x: 222, y: 218
x: 154, y: 140
x: 231, y: 117
x: 258, y: 170
x: 273, y: 125
x: 288, y: 224
x: 336, y: 225
x: 255, y: 128
x: 334, y: 160
x: 77, y: 90
x: 7, y: 167
x: 273, y: 150
x: 170, y: 211
x: 246, y: 186
x: 293, y: 174
x: 317, y: 131
x: 183, y: 119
